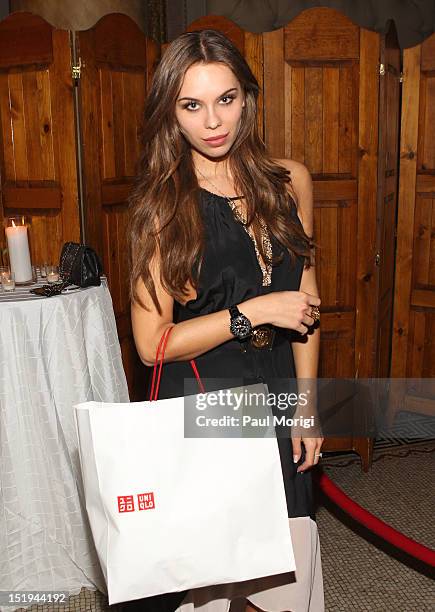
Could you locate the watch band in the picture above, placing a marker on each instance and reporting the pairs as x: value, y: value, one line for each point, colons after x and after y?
x: 234, y: 311
x: 240, y: 325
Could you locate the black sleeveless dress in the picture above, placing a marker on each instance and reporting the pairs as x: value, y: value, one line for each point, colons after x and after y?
x: 230, y: 274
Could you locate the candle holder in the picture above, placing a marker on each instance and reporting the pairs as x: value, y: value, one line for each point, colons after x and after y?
x: 7, y: 280
x: 52, y: 273
x: 18, y: 250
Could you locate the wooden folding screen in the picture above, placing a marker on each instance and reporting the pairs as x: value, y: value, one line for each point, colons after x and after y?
x: 331, y: 101
x: 37, y: 146
x: 117, y: 61
x: 413, y: 345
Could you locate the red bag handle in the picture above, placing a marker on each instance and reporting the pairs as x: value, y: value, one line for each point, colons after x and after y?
x: 162, y: 343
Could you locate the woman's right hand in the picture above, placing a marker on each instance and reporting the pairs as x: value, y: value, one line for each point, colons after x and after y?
x: 290, y: 309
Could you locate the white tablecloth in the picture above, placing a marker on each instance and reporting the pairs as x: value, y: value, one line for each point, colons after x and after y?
x: 54, y: 352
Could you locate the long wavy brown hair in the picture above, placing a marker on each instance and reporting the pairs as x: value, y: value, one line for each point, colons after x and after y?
x: 164, y: 214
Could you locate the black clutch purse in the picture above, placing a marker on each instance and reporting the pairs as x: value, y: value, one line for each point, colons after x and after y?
x: 80, y: 265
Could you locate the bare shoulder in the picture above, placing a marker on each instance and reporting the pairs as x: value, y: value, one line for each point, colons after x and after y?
x: 299, y: 174
x: 303, y: 186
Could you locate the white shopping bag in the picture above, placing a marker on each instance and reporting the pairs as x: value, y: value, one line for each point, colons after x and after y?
x: 170, y: 513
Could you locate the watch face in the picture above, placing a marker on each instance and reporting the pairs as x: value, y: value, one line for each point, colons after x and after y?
x: 241, y: 326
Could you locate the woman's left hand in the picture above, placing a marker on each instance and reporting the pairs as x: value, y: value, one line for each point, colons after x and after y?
x: 312, y: 451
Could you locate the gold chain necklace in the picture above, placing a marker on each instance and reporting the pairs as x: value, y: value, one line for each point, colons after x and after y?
x: 267, y: 246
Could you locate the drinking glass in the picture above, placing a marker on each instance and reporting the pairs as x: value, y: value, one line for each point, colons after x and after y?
x: 43, y: 269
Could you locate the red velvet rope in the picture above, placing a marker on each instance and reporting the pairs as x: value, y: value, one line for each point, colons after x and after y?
x: 162, y: 345
x: 372, y: 522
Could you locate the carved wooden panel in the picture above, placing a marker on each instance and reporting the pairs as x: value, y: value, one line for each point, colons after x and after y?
x: 413, y: 347
x: 388, y: 170
x: 118, y: 62
x: 321, y: 78
x: 38, y: 147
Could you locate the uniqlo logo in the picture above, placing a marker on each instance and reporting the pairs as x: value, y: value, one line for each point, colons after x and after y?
x: 125, y: 503
x: 146, y: 501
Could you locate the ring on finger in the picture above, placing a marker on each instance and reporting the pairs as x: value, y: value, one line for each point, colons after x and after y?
x: 315, y: 313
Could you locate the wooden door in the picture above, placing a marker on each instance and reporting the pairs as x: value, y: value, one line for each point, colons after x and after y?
x: 413, y: 345
x: 117, y: 61
x: 38, y: 146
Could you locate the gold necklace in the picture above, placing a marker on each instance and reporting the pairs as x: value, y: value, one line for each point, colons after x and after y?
x: 265, y: 240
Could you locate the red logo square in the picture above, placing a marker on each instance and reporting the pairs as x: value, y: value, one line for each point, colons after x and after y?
x: 125, y: 503
x: 146, y: 501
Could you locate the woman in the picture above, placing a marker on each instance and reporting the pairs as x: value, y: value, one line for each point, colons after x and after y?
x: 217, y: 250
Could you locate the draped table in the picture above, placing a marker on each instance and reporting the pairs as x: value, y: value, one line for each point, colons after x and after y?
x: 54, y: 352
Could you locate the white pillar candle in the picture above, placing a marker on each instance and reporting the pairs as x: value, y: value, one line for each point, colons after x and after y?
x: 19, y: 253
